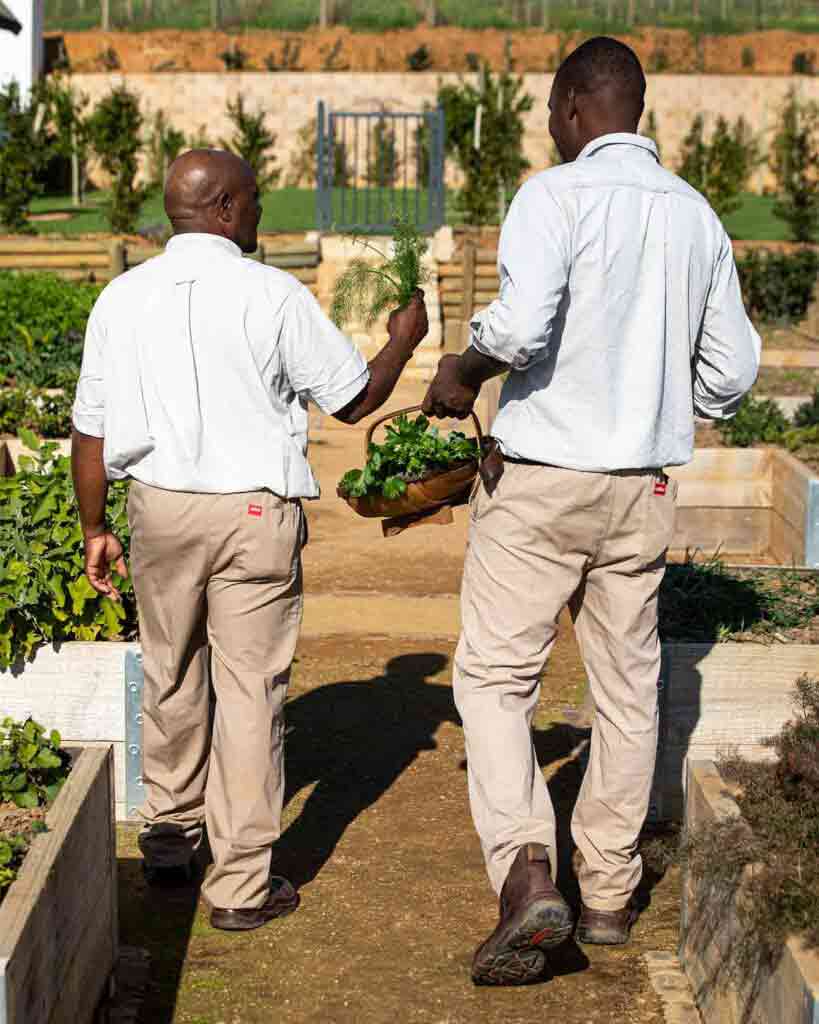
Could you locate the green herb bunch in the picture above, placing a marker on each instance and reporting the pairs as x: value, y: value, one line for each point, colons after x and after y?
x: 365, y: 291
x: 33, y: 768
x: 44, y: 594
x: 412, y: 450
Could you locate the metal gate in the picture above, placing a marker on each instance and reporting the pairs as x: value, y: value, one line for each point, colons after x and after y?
x: 374, y: 167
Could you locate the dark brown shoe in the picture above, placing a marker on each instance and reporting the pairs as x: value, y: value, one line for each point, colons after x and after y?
x: 606, y: 927
x: 533, y: 917
x: 283, y: 900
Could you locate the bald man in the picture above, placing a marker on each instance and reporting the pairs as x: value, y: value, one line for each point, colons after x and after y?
x: 619, y: 317
x: 197, y: 370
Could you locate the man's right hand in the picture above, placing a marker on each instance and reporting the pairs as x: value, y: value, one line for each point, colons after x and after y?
x: 101, y: 554
x: 409, y: 324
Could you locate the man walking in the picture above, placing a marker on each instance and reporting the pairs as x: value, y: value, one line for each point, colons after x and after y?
x: 196, y: 374
x: 619, y: 317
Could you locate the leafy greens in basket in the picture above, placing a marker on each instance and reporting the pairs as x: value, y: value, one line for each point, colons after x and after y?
x: 411, y: 451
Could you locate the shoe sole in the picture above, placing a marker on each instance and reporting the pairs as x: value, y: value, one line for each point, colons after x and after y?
x: 233, y: 924
x: 518, y: 957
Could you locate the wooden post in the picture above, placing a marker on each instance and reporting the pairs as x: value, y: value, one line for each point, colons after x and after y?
x: 129, y: 11
x: 106, y: 15
x: 75, y: 170
x: 215, y: 14
x: 432, y: 12
x: 470, y: 258
x: 325, y: 14
x: 546, y: 14
x: 631, y: 15
x: 116, y: 253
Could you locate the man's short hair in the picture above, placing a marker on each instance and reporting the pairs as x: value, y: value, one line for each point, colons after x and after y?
x: 602, y: 61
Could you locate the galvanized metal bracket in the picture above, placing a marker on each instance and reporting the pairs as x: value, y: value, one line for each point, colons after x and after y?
x: 812, y: 525
x: 134, y: 686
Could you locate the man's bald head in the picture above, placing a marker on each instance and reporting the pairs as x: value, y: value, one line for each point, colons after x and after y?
x: 211, y: 191
x: 598, y: 89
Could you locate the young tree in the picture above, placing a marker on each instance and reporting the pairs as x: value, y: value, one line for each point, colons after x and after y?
x: 114, y: 129
x: 794, y: 162
x: 719, y: 169
x: 65, y: 115
x: 384, y: 164
x: 164, y: 144
x: 253, y: 143
x: 485, y: 136
x: 24, y: 151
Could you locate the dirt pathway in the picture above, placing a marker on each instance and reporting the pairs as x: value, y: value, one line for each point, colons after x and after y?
x: 378, y: 834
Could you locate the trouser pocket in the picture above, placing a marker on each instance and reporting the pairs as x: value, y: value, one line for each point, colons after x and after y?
x: 660, y: 505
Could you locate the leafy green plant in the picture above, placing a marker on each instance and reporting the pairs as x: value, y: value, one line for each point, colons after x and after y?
x: 651, y: 131
x: 804, y: 63
x: 420, y: 59
x: 164, y: 145
x: 45, y: 413
x: 411, y: 451
x: 778, y: 286
x: 13, y: 849
x: 807, y: 415
x: 289, y: 59
x: 44, y: 594
x: 366, y: 291
x: 748, y: 59
x: 719, y: 168
x: 33, y: 768
x: 496, y: 166
x: 756, y: 420
x: 702, y: 602
x: 252, y: 142
x: 115, y: 132
x: 42, y: 325
x: 24, y: 153
x: 234, y: 58
x: 794, y: 161
x: 384, y: 164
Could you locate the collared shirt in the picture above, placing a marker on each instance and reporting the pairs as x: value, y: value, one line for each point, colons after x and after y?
x: 619, y: 314
x: 197, y: 369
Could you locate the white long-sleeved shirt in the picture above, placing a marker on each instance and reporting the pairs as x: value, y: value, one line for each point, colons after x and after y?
x: 197, y: 369
x: 619, y: 314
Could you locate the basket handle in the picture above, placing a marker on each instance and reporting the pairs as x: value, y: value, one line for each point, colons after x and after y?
x: 416, y: 408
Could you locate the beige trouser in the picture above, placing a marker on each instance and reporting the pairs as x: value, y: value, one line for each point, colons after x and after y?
x: 546, y: 538
x: 218, y: 585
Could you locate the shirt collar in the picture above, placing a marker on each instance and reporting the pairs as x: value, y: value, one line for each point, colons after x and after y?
x: 620, y: 139
x: 198, y: 240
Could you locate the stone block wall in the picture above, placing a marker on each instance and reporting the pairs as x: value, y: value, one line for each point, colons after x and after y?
x: 194, y: 100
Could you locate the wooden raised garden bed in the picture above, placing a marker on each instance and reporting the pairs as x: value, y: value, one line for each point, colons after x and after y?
x: 82, y: 690
x: 58, y: 921
x: 787, y: 995
x: 717, y: 696
x: 754, y: 504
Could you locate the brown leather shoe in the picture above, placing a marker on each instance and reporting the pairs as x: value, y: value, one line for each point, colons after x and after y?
x: 533, y: 917
x: 283, y: 900
x: 606, y: 927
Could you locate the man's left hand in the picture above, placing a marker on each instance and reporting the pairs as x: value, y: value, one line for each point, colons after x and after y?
x: 101, y: 553
x: 447, y: 394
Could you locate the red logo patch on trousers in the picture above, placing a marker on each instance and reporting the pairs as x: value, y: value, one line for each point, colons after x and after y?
x: 660, y: 487
x: 254, y: 510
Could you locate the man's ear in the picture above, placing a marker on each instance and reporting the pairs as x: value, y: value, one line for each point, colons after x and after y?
x: 571, y: 103
x: 224, y: 207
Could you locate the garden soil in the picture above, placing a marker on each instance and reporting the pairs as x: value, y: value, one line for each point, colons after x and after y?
x: 377, y: 829
x: 449, y: 49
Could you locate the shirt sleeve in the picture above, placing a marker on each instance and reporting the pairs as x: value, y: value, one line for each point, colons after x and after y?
x: 726, y: 360
x: 321, y: 362
x: 533, y: 264
x: 89, y: 405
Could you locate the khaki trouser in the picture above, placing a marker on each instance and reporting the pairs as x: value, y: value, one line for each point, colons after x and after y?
x: 546, y: 538
x: 218, y: 585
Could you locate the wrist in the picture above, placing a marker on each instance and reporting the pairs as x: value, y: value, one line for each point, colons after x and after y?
x: 93, y: 532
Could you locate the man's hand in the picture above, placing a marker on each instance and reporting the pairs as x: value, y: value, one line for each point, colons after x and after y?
x: 102, y: 552
x: 448, y: 395
x: 409, y: 324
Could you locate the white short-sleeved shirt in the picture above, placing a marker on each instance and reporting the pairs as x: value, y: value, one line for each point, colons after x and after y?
x: 197, y: 369
x: 619, y: 315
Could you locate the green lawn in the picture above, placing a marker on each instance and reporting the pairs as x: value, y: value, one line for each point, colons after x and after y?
x: 294, y: 209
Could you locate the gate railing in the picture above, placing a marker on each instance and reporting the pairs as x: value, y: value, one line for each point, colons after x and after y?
x: 374, y: 167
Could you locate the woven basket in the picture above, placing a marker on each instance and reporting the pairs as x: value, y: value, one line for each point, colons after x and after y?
x: 431, y: 492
